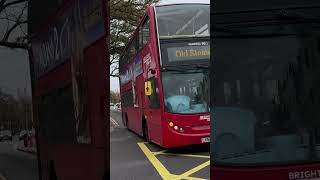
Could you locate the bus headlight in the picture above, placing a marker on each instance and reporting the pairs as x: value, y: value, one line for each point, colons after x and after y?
x: 171, y: 124
x: 175, y: 127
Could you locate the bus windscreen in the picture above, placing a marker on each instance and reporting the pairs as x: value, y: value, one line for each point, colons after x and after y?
x: 185, y: 64
x: 264, y: 96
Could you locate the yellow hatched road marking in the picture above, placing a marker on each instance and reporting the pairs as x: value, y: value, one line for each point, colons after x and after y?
x: 177, y: 177
x: 162, y: 170
x: 159, y: 152
x: 164, y: 173
x: 193, y: 170
x: 192, y: 178
x: 185, y: 155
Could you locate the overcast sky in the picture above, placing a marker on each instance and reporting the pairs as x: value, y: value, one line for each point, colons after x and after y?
x: 15, y: 74
x: 14, y: 71
x: 114, y: 84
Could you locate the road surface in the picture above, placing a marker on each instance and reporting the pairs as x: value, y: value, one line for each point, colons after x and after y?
x: 133, y: 159
x: 16, y: 165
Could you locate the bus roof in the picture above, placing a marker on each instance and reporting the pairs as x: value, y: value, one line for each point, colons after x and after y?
x: 171, y: 2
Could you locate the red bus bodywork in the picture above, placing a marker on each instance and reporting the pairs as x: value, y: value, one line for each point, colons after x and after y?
x: 158, y: 120
x: 63, y: 160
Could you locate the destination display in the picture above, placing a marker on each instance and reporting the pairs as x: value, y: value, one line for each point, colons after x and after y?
x: 188, y: 53
x: 174, y: 52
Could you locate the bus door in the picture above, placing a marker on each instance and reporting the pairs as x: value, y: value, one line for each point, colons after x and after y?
x: 152, y: 124
x: 151, y: 101
x: 153, y: 113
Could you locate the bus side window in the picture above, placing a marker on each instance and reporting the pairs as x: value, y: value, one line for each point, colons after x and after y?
x: 154, y: 98
x: 144, y: 33
x: 127, y: 99
x: 136, y: 43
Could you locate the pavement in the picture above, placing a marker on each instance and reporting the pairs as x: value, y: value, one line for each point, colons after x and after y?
x: 30, y: 150
x: 16, y: 165
x: 19, y: 145
x: 131, y: 158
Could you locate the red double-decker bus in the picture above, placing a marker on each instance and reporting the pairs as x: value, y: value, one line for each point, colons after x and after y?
x: 264, y: 90
x: 69, y: 71
x: 164, y: 75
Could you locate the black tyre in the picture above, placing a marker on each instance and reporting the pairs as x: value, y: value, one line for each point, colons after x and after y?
x: 53, y: 175
x: 145, y: 131
x: 125, y: 120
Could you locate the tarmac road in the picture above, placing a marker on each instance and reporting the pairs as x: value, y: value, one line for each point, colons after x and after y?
x: 16, y: 165
x: 133, y: 159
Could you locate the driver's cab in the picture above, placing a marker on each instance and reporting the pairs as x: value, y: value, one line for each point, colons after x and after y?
x: 184, y: 99
x: 177, y: 103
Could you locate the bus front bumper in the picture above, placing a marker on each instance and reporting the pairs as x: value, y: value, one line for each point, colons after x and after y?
x: 174, y: 138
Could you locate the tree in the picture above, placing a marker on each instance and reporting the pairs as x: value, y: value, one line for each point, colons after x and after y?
x: 15, y: 114
x: 114, y: 97
x: 124, y: 18
x: 13, y: 24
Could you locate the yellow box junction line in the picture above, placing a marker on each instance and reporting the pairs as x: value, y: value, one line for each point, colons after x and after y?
x: 162, y: 170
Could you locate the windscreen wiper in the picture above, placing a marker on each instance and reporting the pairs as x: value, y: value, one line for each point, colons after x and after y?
x: 177, y: 68
x: 202, y: 66
x: 184, y: 68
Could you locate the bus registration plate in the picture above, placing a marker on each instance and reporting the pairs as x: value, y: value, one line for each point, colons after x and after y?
x: 205, y: 140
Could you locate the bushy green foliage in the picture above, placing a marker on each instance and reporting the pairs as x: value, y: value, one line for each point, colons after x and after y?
x: 125, y: 16
x: 114, y: 97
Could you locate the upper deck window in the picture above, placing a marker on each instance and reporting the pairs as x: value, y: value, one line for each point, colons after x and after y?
x: 183, y: 20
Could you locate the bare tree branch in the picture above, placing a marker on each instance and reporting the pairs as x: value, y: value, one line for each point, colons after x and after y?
x: 114, y: 75
x: 124, y: 18
x: 14, y: 45
x: 4, y: 6
x: 114, y: 59
x: 2, y: 2
x: 7, y: 35
x: 13, y: 14
x: 113, y: 72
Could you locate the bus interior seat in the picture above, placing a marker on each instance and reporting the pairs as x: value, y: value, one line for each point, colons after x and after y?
x: 175, y: 103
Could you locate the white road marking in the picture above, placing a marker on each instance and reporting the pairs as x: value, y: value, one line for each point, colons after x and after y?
x: 2, y: 177
x: 114, y: 122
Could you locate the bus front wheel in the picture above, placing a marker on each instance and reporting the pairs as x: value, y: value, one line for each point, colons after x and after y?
x: 125, y: 120
x: 53, y: 175
x: 145, y: 130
